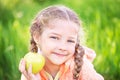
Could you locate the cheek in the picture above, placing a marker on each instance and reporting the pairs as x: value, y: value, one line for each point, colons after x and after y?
x: 72, y: 50
x: 46, y: 45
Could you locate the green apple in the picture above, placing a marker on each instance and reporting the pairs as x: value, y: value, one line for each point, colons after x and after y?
x: 36, y: 60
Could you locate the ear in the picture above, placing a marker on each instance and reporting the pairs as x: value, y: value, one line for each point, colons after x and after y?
x: 36, y: 37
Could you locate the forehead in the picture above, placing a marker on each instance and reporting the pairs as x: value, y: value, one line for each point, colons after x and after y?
x: 63, y: 26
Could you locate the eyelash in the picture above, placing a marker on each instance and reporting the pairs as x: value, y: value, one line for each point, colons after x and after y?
x: 71, y: 41
x: 57, y: 38
x: 54, y: 37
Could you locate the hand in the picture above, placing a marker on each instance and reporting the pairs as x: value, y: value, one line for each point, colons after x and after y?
x: 89, y: 54
x: 28, y: 75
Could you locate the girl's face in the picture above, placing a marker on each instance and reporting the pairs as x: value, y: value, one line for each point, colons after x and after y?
x: 58, y: 40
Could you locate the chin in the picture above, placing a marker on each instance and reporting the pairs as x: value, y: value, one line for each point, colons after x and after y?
x: 58, y: 62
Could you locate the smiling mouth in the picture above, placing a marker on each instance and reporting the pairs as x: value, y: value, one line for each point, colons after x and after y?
x: 58, y: 54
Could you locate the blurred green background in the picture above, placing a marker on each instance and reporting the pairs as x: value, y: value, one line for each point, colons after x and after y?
x: 101, y: 21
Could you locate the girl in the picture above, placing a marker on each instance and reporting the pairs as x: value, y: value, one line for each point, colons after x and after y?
x: 54, y: 33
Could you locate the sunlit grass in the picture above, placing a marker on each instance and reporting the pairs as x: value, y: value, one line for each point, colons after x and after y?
x: 101, y: 20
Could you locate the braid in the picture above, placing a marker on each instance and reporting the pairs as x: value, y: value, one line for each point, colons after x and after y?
x: 78, y: 59
x: 35, y: 28
x: 33, y: 47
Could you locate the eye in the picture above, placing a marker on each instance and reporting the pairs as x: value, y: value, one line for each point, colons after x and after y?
x: 54, y: 37
x: 71, y: 41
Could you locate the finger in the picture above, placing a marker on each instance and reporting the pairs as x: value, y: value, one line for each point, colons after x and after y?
x: 33, y: 76
x: 22, y: 65
x: 22, y: 68
x: 30, y: 71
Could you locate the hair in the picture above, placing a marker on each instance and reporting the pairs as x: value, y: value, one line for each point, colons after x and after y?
x: 63, y: 13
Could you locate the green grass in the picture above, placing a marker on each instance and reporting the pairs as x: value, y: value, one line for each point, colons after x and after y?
x: 101, y: 21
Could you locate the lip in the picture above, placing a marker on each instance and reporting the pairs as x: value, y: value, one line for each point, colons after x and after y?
x: 59, y: 54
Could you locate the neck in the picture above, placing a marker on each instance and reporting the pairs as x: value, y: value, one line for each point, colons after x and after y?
x: 51, y: 68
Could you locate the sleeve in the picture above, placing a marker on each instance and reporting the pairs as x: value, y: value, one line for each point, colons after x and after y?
x: 88, y: 72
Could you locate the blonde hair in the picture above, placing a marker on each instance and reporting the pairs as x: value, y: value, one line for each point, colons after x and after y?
x: 63, y: 13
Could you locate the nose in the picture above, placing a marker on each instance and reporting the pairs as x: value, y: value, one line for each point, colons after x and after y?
x: 63, y: 46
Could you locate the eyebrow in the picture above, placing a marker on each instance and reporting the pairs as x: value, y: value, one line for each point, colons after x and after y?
x: 55, y: 34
